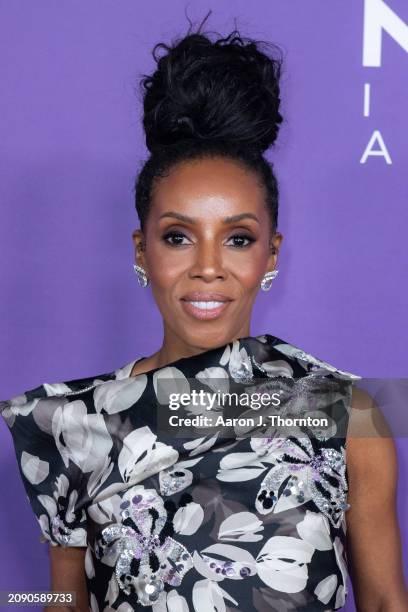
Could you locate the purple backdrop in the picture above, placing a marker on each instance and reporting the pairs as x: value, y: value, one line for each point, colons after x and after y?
x: 71, y: 144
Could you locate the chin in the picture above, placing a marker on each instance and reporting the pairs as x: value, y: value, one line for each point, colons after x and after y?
x: 207, y: 339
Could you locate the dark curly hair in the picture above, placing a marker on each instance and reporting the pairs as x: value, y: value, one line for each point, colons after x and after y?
x: 211, y: 98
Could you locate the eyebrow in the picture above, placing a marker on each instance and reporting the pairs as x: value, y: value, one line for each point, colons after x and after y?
x: 232, y: 219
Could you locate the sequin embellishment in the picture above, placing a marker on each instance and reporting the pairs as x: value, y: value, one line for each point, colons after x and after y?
x: 240, y: 366
x: 320, y: 477
x: 147, y: 557
x: 60, y: 532
x: 174, y: 479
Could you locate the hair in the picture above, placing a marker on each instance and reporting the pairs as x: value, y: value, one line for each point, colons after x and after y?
x: 211, y: 98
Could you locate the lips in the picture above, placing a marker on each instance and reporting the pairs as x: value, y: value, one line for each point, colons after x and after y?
x: 201, y: 296
x: 202, y: 305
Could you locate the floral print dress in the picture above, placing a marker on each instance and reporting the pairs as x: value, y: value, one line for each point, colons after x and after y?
x: 208, y: 524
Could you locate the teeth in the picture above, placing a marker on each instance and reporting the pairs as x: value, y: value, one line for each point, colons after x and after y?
x: 206, y: 305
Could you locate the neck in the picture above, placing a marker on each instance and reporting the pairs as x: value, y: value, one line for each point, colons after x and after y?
x: 174, y: 347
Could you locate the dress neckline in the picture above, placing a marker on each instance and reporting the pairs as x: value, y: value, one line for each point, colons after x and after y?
x: 133, y: 363
x: 125, y: 371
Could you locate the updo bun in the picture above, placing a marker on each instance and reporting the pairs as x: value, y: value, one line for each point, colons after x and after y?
x: 211, y: 99
x: 226, y: 90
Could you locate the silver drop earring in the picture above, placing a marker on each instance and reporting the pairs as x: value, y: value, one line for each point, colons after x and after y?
x: 141, y: 275
x: 266, y: 282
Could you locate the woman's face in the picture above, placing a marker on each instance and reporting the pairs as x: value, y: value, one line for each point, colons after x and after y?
x: 207, y: 239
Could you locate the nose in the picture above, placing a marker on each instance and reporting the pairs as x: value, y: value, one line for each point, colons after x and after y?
x: 208, y: 262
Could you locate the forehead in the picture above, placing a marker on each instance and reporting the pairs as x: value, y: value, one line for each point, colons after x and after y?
x: 219, y: 184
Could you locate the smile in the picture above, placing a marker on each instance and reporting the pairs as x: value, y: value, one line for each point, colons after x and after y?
x: 204, y: 310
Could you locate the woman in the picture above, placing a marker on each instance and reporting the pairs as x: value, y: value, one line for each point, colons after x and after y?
x: 256, y: 522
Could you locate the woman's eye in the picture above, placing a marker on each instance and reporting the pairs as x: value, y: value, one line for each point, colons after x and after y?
x: 238, y: 238
x: 178, y: 236
x: 176, y: 239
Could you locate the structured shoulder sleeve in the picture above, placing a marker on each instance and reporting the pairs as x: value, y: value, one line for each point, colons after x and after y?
x: 62, y: 447
x: 54, y: 440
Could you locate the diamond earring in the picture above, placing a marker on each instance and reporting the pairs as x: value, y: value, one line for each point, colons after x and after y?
x: 141, y: 275
x: 266, y: 282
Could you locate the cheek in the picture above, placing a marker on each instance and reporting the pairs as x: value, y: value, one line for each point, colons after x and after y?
x: 165, y: 266
x: 167, y: 272
x: 248, y: 270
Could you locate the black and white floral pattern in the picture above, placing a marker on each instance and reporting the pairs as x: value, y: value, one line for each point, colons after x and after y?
x: 208, y: 524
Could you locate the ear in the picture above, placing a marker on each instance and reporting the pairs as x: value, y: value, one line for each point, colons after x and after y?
x: 139, y: 243
x: 275, y: 244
